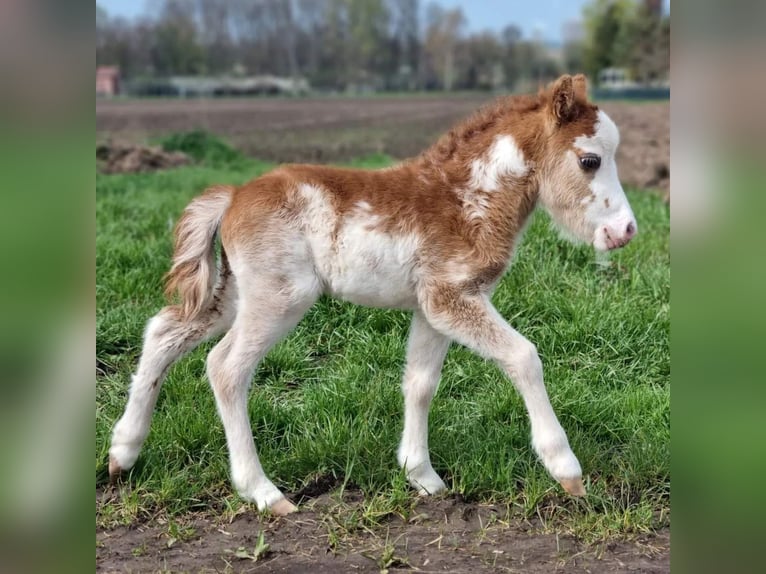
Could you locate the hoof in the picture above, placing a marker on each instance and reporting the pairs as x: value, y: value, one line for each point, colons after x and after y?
x: 283, y: 507
x: 432, y: 488
x: 115, y: 470
x: 426, y: 481
x: 573, y: 486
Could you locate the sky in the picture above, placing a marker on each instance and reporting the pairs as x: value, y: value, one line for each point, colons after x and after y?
x: 547, y: 16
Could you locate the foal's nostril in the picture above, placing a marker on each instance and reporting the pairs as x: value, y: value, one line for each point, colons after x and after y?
x: 630, y: 231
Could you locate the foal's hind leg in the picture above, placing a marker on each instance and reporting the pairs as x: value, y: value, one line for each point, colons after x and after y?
x: 167, y: 339
x: 266, y: 313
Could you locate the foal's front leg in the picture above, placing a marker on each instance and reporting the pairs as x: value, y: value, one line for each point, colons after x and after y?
x: 473, y: 321
x: 426, y: 350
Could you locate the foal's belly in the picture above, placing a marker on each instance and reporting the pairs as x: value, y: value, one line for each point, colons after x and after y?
x: 372, y: 269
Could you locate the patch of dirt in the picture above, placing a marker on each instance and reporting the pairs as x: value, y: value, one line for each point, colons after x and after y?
x: 441, y: 535
x: 129, y: 158
x: 339, y: 129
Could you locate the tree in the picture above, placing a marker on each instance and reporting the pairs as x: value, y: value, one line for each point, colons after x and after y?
x: 406, y: 31
x: 176, y: 48
x: 606, y: 23
x: 215, y: 35
x: 510, y: 39
x: 627, y: 34
x: 368, y: 24
x: 122, y: 43
x: 572, y: 33
x: 480, y: 64
x: 333, y: 66
x: 647, y: 39
x: 443, y: 31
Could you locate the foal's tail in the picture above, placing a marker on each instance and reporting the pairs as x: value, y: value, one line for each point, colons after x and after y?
x: 194, y: 271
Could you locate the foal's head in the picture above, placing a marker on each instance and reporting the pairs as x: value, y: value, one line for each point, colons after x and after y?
x: 578, y: 179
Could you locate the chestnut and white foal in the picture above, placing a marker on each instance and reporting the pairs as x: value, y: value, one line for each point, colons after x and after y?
x: 433, y: 234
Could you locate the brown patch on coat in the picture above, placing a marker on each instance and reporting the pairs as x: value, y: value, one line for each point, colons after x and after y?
x: 420, y: 195
x: 606, y: 202
x: 484, y: 279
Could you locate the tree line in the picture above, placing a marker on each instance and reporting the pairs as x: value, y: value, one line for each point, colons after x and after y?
x: 627, y: 34
x: 358, y: 44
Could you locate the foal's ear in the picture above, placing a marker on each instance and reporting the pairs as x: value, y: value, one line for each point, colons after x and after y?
x: 568, y: 94
x: 580, y: 86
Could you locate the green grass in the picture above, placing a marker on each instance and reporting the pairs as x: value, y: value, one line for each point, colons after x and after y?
x: 326, y: 401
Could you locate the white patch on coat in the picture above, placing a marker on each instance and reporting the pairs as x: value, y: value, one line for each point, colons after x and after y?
x: 607, y: 206
x: 503, y: 159
x: 355, y: 261
x: 605, y: 139
x: 319, y: 219
x: 318, y: 213
x: 374, y: 268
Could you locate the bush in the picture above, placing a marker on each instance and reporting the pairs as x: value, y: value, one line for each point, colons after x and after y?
x: 204, y: 148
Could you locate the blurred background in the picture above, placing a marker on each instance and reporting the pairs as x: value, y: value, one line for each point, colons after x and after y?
x: 333, y: 80
x: 244, y: 47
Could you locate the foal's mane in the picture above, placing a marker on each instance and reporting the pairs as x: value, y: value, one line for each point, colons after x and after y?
x: 481, y: 121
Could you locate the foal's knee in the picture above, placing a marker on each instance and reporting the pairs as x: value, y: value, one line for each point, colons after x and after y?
x: 523, y: 361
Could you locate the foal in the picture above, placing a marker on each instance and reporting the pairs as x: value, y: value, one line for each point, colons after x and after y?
x: 433, y: 234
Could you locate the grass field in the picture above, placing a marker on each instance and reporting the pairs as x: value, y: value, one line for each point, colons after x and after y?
x: 326, y: 401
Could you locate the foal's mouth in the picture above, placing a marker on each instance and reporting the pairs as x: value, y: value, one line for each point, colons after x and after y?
x: 616, y: 242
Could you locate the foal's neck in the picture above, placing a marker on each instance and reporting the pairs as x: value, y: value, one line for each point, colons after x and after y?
x: 493, y: 188
x: 489, y: 163
x: 515, y: 118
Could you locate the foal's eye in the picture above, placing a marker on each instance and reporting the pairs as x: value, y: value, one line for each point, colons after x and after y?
x: 590, y: 162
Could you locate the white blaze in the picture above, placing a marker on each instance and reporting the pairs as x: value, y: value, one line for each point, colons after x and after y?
x: 609, y: 207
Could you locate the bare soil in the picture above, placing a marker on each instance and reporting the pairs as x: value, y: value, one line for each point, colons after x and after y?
x: 441, y: 535
x: 338, y: 129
